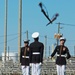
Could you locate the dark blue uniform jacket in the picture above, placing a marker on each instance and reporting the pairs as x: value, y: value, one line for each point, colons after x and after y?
x: 36, y: 47
x: 61, y: 60
x: 23, y: 60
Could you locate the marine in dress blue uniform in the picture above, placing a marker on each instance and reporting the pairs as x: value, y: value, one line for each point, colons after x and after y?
x: 24, y: 58
x: 36, y: 54
x: 61, y: 51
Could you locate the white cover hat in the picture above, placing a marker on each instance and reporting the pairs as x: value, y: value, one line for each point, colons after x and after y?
x: 35, y: 35
x: 26, y: 40
x: 62, y: 38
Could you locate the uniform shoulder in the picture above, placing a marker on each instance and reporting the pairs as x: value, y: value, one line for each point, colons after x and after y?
x: 57, y: 46
x: 31, y: 43
x: 41, y: 43
x: 65, y: 46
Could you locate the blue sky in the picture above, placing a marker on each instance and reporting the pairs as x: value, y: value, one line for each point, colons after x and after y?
x: 34, y: 20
